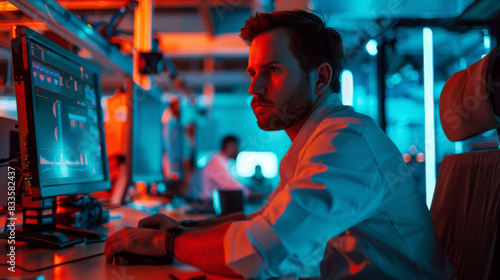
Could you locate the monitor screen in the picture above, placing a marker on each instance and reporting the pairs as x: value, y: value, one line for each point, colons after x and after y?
x: 247, y: 161
x: 146, y: 141
x: 60, y: 117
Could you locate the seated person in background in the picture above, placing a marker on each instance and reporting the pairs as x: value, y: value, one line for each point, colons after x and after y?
x: 216, y: 174
x: 346, y: 207
x: 172, y: 157
x: 259, y: 185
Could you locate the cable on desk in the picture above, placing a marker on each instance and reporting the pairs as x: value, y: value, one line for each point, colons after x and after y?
x: 52, y: 266
x: 13, y: 166
x: 10, y: 158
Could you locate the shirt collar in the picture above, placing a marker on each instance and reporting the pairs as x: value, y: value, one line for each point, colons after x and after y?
x: 329, y: 104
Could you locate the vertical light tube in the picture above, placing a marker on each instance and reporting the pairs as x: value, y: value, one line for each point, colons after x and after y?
x: 463, y: 63
x: 430, y: 146
x: 459, y: 147
x: 347, y: 88
x: 487, y: 41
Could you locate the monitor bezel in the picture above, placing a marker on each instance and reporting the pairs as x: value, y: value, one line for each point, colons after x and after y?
x: 22, y: 37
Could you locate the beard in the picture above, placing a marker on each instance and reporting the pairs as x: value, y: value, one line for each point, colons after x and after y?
x: 289, y: 114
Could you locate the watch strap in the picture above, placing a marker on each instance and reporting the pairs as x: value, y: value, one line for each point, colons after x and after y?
x: 172, y: 233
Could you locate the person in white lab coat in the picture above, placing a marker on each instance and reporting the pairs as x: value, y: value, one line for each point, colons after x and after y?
x: 216, y: 174
x: 346, y: 206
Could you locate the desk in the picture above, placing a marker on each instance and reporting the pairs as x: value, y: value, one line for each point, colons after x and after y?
x: 92, y: 268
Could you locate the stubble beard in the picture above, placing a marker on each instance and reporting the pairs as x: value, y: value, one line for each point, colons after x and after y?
x: 292, y: 113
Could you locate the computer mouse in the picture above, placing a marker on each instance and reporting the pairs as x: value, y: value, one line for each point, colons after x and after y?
x: 126, y: 258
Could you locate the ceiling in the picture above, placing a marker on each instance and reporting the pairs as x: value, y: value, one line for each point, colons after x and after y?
x: 202, y: 34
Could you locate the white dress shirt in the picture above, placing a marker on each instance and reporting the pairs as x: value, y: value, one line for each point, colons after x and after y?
x: 346, y: 200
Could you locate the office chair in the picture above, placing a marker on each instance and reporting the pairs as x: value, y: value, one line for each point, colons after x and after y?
x: 466, y: 203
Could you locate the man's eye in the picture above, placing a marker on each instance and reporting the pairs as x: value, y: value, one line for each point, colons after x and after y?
x: 272, y: 69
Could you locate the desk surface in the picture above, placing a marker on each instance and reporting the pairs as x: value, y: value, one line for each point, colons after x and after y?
x: 92, y: 267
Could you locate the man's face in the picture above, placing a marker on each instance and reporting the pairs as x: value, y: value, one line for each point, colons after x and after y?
x: 282, y: 92
x: 231, y: 150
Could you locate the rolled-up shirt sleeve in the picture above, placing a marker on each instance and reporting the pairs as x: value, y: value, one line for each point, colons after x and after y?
x: 336, y: 185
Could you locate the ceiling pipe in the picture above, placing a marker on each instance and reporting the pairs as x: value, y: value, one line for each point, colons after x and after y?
x: 69, y: 26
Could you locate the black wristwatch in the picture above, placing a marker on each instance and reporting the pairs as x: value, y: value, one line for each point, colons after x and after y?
x: 172, y: 233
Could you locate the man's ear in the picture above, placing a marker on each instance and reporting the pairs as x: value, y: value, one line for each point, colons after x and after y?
x: 323, y: 78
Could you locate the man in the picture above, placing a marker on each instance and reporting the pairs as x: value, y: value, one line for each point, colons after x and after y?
x: 216, y: 174
x: 346, y: 206
x: 172, y: 142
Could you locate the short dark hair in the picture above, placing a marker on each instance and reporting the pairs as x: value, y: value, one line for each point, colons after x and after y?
x: 229, y: 139
x: 312, y: 42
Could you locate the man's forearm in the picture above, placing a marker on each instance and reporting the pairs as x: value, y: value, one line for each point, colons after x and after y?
x: 221, y: 220
x: 204, y: 248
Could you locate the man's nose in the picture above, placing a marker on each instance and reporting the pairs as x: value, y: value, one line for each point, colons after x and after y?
x: 257, y: 86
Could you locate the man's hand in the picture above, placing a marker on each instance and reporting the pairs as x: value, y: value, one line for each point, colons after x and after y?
x: 158, y: 221
x: 142, y: 241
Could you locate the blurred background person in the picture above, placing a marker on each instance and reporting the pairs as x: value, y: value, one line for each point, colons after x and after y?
x: 173, y: 139
x: 219, y: 173
x: 259, y: 186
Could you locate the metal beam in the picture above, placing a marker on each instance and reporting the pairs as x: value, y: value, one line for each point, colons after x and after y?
x: 35, y: 25
x: 143, y: 39
x: 206, y: 16
x: 117, y: 4
x: 69, y: 26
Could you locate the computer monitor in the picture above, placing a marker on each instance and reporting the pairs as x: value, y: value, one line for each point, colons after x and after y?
x: 145, y: 140
x: 246, y: 162
x: 61, y: 131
